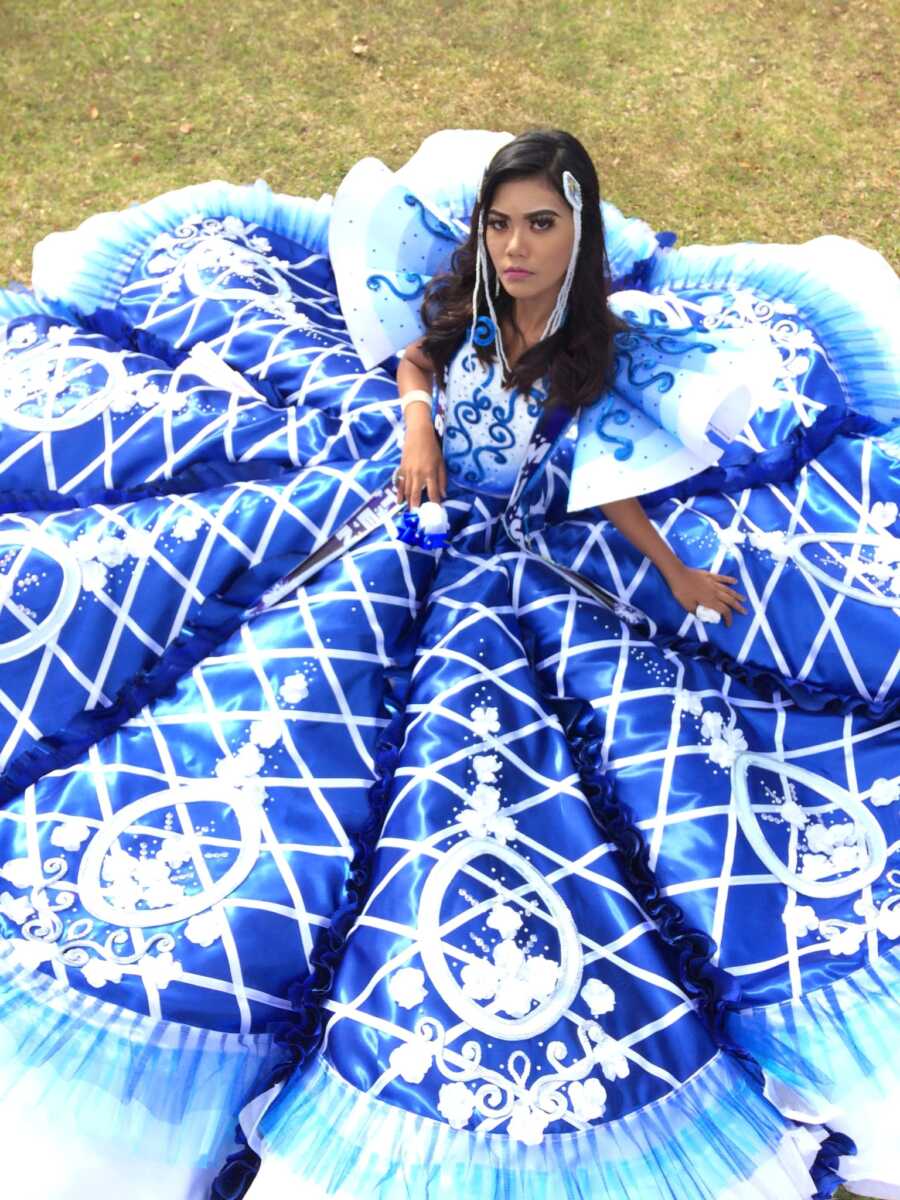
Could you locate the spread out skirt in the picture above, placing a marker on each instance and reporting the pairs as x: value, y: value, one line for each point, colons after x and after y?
x: 466, y: 867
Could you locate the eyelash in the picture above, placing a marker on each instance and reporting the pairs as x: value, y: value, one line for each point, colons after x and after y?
x: 539, y: 224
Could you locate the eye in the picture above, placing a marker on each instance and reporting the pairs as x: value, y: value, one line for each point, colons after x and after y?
x: 496, y: 223
x: 543, y: 223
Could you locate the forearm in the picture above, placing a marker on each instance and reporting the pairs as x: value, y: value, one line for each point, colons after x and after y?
x: 632, y: 522
x: 412, y: 377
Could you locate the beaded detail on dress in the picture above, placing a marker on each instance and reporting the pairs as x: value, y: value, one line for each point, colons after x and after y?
x: 488, y: 427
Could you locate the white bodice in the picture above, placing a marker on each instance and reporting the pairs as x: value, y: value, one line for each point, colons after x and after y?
x: 487, y: 427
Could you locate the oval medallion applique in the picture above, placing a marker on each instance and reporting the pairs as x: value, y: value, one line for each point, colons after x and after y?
x: 871, y: 580
x: 834, y: 858
x: 61, y: 387
x: 112, y: 882
x: 22, y: 603
x: 525, y: 992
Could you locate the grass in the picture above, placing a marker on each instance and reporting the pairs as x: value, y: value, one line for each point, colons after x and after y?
x: 724, y: 121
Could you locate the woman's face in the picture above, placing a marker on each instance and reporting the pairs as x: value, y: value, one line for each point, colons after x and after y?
x: 529, y: 232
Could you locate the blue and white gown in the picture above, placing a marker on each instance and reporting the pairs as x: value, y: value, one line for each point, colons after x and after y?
x: 473, y: 865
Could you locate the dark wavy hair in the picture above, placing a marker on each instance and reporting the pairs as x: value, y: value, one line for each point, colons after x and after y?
x: 576, y: 360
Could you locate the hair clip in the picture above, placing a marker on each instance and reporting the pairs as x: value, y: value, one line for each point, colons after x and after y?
x: 572, y: 190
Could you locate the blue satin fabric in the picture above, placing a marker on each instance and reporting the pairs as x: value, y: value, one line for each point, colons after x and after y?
x: 532, y: 958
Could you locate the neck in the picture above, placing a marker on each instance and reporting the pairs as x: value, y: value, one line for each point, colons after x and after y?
x: 530, y: 317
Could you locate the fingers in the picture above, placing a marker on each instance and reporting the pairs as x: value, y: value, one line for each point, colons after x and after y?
x: 410, y: 482
x: 733, y: 599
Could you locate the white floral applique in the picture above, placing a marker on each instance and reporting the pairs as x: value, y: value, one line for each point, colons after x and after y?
x: 515, y: 980
x: 266, y: 732
x: 32, y: 954
x: 93, y: 577
x: 688, y: 702
x: 725, y: 742
x: 800, y: 920
x: 17, y: 908
x: 406, y: 987
x: 482, y: 817
x: 486, y: 767
x: 610, y: 1057
x: 136, y: 392
x: 412, y: 1059
x: 793, y: 813
x: 885, y: 791
x: 203, y: 929
x: 486, y: 720
x: 129, y: 880
x: 599, y: 997
x: 100, y: 551
x: 70, y: 835
x: 21, y: 872
x: 527, y: 1123
x: 159, y: 970
x: 294, y: 689
x: 731, y: 536
x: 883, y: 513
x: 187, y: 527
x: 772, y: 541
x: 247, y: 762
x: 588, y: 1099
x: 456, y: 1104
x: 504, y: 919
x: 98, y: 972
x: 112, y: 551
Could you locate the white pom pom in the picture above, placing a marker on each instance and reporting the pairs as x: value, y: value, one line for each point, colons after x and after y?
x: 709, y: 615
x: 432, y: 518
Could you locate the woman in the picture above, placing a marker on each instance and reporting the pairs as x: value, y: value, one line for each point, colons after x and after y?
x: 528, y: 229
x: 534, y: 873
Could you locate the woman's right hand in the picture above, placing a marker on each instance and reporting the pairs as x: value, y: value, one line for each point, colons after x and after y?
x: 422, y: 467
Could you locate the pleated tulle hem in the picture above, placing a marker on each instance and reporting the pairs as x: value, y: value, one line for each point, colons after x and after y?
x: 88, y: 267
x: 849, y: 292
x: 104, y: 1076
x: 715, y: 1138
x: 847, y: 1033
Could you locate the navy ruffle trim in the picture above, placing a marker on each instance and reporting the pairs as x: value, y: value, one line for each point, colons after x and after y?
x: 715, y: 993
x: 199, y: 477
x: 302, y: 1036
x: 824, y: 1170
x: 636, y: 278
x: 216, y: 619
x: 746, y: 468
x: 768, y: 683
x: 238, y: 1173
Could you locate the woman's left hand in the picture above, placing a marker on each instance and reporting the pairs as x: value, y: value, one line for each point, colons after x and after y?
x: 693, y: 587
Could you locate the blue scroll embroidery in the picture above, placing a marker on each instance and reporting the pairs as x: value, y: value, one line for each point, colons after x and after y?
x: 485, y: 332
x: 433, y: 224
x: 607, y: 413
x: 374, y: 282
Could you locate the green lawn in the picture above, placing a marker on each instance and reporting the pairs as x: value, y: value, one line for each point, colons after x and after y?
x: 723, y: 120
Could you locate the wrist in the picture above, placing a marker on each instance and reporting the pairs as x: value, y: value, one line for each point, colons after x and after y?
x: 672, y: 570
x: 417, y: 400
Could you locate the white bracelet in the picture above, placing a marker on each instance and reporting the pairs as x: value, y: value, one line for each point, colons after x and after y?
x: 419, y: 395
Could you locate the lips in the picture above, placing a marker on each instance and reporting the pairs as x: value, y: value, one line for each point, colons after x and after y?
x: 516, y: 273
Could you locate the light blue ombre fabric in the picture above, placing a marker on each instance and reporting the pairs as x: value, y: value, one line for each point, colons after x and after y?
x: 478, y: 870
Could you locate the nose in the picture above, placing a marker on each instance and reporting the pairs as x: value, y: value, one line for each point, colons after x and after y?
x: 516, y: 246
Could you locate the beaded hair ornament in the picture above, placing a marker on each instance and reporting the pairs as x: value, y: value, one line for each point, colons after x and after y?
x: 486, y: 330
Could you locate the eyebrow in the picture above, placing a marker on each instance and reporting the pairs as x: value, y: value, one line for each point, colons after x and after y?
x: 538, y: 212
